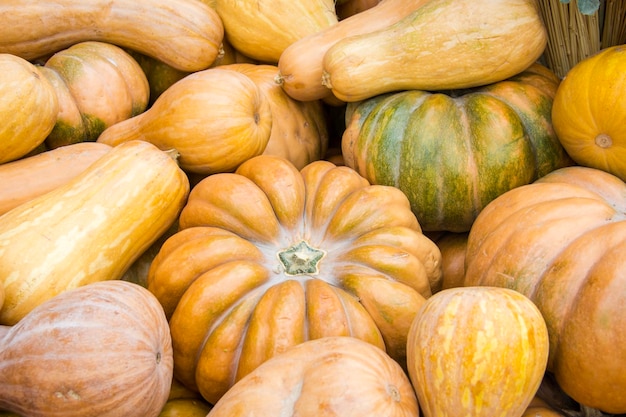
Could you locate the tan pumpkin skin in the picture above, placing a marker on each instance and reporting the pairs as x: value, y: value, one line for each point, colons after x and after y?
x: 233, y: 303
x: 99, y: 84
x: 185, y: 34
x: 29, y: 177
x: 331, y: 376
x: 28, y: 107
x: 299, y: 129
x: 560, y: 241
x: 215, y: 119
x: 477, y: 351
x: 300, y: 67
x: 438, y: 47
x: 263, y: 29
x: 452, y: 247
x: 90, y: 229
x: 103, y: 349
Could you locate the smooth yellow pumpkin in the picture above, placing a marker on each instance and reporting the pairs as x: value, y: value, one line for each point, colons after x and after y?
x: 98, y: 84
x: 327, y: 377
x: 103, y: 349
x: 443, y: 45
x: 589, y: 111
x: 183, y: 33
x: 215, y: 119
x: 28, y: 107
x: 29, y: 177
x: 477, y: 351
x: 90, y: 229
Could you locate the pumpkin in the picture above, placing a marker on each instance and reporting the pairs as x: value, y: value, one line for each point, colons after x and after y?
x: 98, y: 84
x: 183, y: 402
x: 29, y: 177
x: 477, y: 351
x: 330, y: 376
x: 185, y: 34
x: 103, y: 349
x: 215, y: 119
x: 539, y: 408
x: 299, y: 129
x: 89, y: 229
x: 443, y: 45
x: 452, y: 247
x: 589, y: 111
x: 268, y: 257
x: 262, y: 29
x: 452, y: 152
x: 560, y: 241
x: 300, y: 66
x: 28, y: 107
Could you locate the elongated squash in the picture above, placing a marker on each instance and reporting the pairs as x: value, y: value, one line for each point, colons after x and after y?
x: 445, y: 44
x: 300, y: 67
x: 183, y: 33
x: 29, y: 177
x: 90, y: 229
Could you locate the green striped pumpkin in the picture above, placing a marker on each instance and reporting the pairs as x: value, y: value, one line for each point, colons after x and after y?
x: 453, y: 152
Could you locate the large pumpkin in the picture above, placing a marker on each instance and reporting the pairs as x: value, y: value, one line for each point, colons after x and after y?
x: 453, y: 152
x: 269, y: 256
x: 561, y: 242
x: 589, y: 111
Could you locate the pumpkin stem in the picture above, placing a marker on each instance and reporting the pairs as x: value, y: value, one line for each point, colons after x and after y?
x: 604, y: 141
x: 301, y: 259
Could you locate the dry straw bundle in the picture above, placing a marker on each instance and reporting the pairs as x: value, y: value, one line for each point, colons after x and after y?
x: 579, y: 28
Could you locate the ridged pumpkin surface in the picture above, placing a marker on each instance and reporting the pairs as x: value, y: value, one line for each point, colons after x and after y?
x: 561, y: 242
x: 269, y: 256
x: 452, y: 153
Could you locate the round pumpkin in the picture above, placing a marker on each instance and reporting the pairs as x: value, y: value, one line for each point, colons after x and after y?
x: 98, y: 85
x: 477, y: 351
x: 270, y: 256
x: 453, y: 152
x: 103, y: 349
x: 589, y: 111
x: 561, y: 242
x: 28, y: 107
x: 330, y: 376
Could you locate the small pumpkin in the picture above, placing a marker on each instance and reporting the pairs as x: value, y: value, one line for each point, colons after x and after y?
x: 560, y: 241
x: 477, y: 351
x: 452, y: 247
x: 330, y: 376
x: 28, y: 107
x: 589, y: 111
x: 215, y: 119
x: 270, y: 256
x: 452, y: 152
x: 442, y: 45
x: 103, y: 349
x: 92, y: 228
x: 32, y: 176
x: 98, y: 84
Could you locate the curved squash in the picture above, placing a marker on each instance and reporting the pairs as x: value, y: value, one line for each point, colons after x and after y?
x: 98, y: 85
x: 263, y: 29
x: 300, y: 67
x: 215, y: 119
x: 185, y: 34
x: 103, y: 349
x: 90, y: 229
x: 28, y: 107
x: 29, y: 177
x: 445, y: 44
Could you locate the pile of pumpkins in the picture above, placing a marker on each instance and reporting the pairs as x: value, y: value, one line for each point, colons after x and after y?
x: 307, y: 208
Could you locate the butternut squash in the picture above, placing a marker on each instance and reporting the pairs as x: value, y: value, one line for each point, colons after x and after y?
x: 215, y: 119
x: 90, y: 229
x: 29, y: 177
x: 262, y: 29
x: 183, y: 33
x: 28, y: 107
x: 300, y: 67
x: 443, y: 45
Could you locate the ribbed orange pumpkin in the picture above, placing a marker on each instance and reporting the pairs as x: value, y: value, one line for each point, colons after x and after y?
x: 561, y: 242
x: 269, y: 256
